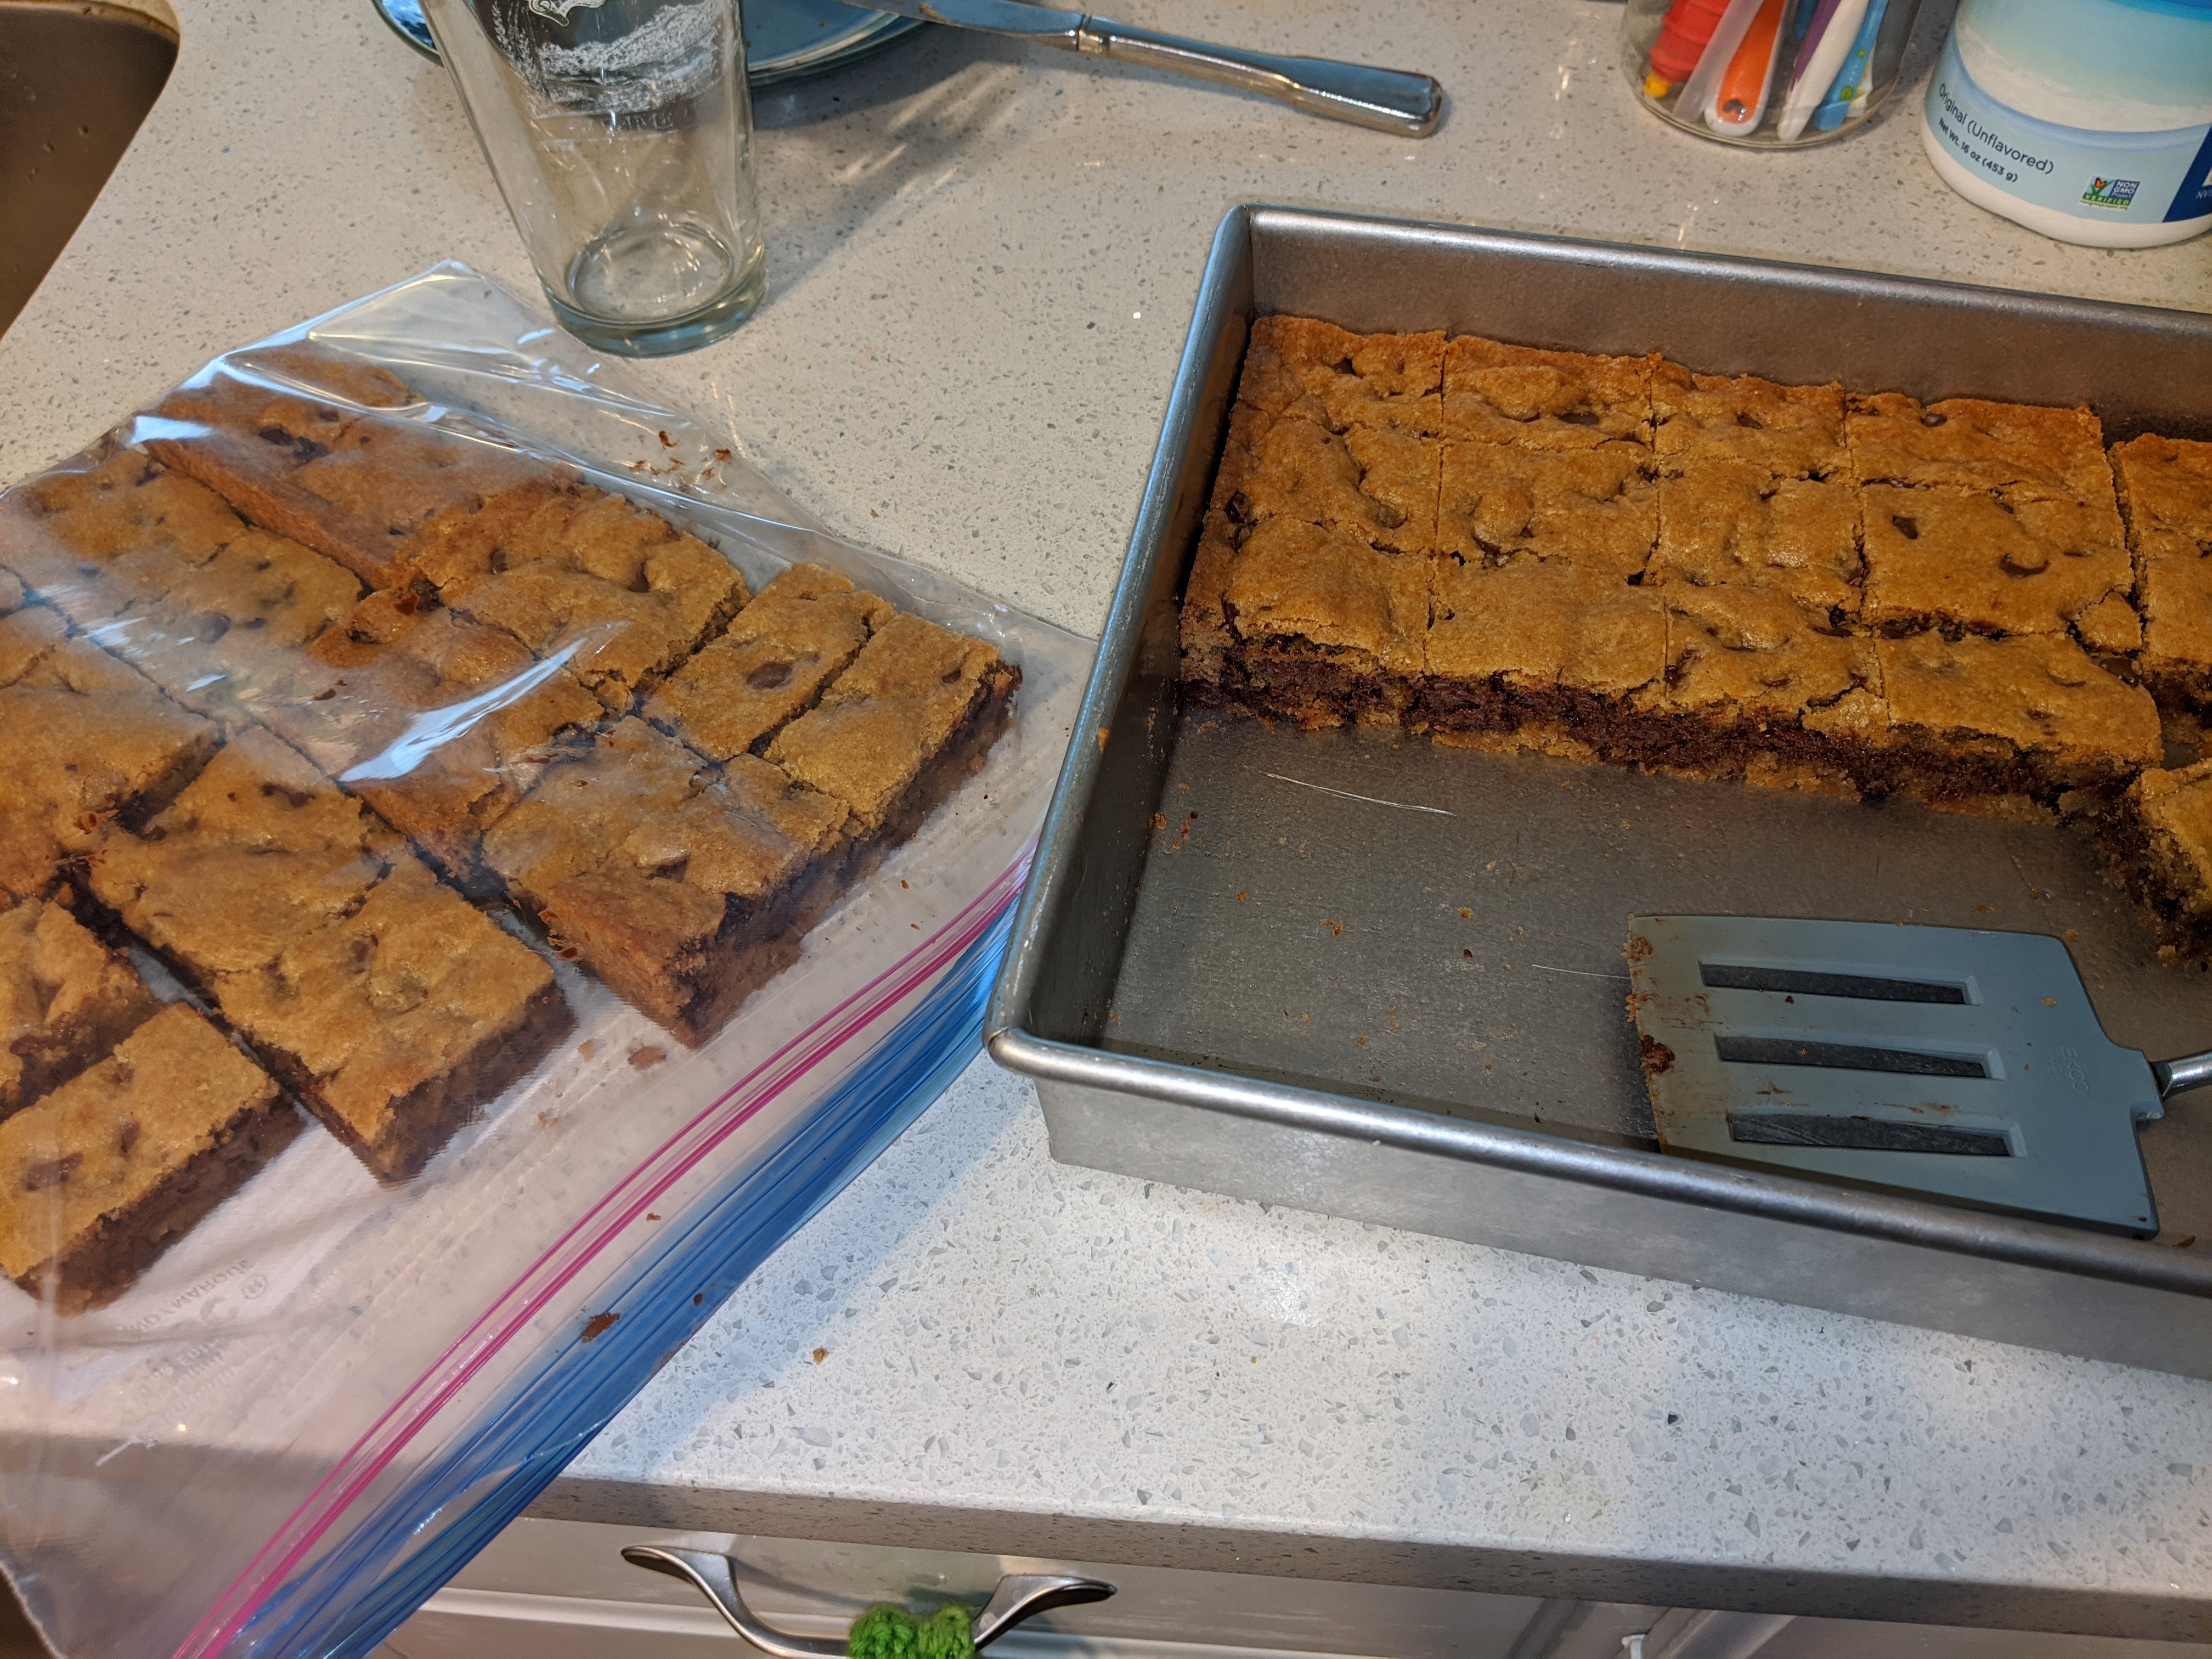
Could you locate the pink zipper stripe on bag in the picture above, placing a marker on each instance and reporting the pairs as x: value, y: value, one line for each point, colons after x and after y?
x: 562, y: 1261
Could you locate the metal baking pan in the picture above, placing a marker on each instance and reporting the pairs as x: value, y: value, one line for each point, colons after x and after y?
x: 1356, y: 972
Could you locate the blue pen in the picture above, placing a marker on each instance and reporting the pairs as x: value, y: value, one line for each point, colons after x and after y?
x: 1850, y: 82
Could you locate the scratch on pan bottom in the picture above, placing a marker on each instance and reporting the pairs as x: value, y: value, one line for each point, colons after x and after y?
x: 1372, y: 800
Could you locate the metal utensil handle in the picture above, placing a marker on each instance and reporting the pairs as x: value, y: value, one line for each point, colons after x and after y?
x: 1391, y: 100
x: 1019, y: 1596
x: 2189, y: 1071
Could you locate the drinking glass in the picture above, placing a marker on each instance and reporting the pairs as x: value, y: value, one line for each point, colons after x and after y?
x: 621, y: 134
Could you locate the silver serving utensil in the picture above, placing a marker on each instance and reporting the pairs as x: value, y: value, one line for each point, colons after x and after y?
x: 1019, y: 1596
x: 1965, y: 1064
x: 1391, y: 100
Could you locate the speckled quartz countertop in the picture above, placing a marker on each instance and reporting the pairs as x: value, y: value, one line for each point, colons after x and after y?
x: 981, y: 261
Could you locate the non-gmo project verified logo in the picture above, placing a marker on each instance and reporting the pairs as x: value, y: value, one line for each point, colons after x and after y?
x: 2112, y: 192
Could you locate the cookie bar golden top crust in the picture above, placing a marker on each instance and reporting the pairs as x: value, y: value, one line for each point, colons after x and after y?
x: 317, y: 370
x: 1734, y: 522
x: 1297, y: 366
x: 1510, y: 394
x: 1593, y: 508
x: 36, y: 647
x: 1791, y: 431
x: 172, y: 1090
x: 1293, y: 581
x: 358, y: 484
x: 623, y: 590
x: 65, y: 1000
x: 1376, y: 483
x: 1964, y: 557
x: 412, y: 987
x: 2022, y: 450
x: 1537, y: 626
x: 88, y: 737
x: 2165, y: 489
x: 439, y: 722
x: 746, y: 833
x: 1756, y: 653
x: 904, y: 699
x: 770, y: 664
x: 2175, y: 810
x: 2038, y: 693
x: 2177, y: 615
x: 60, y: 533
x: 260, y: 849
x: 582, y: 808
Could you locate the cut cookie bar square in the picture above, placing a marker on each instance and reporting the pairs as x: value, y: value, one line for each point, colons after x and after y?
x: 89, y: 739
x: 769, y: 665
x: 2159, y: 834
x: 618, y: 594
x: 1596, y: 510
x: 1531, y: 646
x: 260, y: 849
x: 1723, y: 521
x: 1555, y: 400
x: 105, y: 1173
x: 2165, y: 491
x: 1968, y: 559
x: 898, y: 731
x: 439, y: 722
x: 1296, y: 365
x: 62, y: 532
x: 1788, y: 431
x: 1312, y: 625
x: 1379, y: 484
x: 1754, y: 676
x: 2024, y: 451
x: 683, y: 885
x: 694, y: 910
x: 65, y: 1000
x: 2029, y: 715
x: 398, y: 1021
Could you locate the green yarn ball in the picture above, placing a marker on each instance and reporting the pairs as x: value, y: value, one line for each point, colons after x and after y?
x: 889, y: 1633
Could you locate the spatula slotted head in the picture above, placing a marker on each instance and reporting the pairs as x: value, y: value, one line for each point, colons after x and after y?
x: 1962, y: 1065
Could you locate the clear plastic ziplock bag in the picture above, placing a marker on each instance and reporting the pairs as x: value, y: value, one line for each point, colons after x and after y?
x: 478, y: 867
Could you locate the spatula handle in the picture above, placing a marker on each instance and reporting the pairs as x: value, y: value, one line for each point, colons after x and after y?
x: 2189, y: 1072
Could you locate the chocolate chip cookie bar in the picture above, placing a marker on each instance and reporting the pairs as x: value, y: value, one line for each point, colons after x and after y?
x: 65, y: 1000
x: 769, y: 665
x: 617, y: 594
x: 391, y: 1004
x: 109, y: 1169
x: 683, y: 884
x: 2159, y: 835
x: 897, y: 731
x: 2166, y: 493
x: 90, y: 739
x: 439, y: 722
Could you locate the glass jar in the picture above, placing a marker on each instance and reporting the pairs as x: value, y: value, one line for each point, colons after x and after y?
x: 1770, y: 74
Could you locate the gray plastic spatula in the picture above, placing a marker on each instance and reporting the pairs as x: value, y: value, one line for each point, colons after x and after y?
x: 1965, y: 1064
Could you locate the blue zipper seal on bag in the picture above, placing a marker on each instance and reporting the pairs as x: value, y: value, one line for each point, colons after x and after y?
x: 546, y: 1417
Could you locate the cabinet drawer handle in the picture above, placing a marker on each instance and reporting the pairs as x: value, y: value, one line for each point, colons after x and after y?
x: 1020, y: 1595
